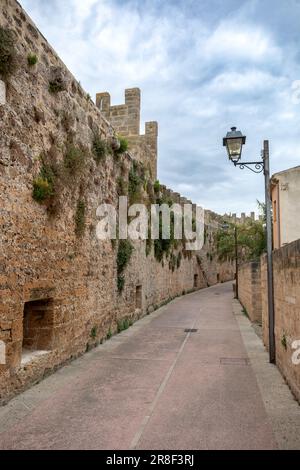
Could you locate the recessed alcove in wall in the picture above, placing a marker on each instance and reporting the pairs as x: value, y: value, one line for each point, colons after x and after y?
x: 195, y: 280
x: 138, y: 297
x: 37, y: 326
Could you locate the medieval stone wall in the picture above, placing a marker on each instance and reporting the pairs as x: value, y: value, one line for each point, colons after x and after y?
x: 250, y: 289
x: 125, y: 119
x: 286, y: 269
x: 58, y: 284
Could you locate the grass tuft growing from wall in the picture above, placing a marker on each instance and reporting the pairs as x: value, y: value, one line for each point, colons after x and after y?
x: 32, y: 59
x: 99, y: 149
x: 123, y: 145
x: 43, y: 184
x: 73, y: 160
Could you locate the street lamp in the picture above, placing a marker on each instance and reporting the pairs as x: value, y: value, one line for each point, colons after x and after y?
x: 233, y: 142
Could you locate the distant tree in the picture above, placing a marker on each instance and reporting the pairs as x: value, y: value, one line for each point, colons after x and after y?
x: 251, y: 241
x: 262, y: 210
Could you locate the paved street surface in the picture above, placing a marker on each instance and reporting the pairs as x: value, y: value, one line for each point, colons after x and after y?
x: 154, y: 386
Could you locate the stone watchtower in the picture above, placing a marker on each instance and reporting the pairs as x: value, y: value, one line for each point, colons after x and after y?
x: 125, y: 118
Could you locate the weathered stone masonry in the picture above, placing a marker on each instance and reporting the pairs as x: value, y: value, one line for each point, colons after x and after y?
x: 58, y: 290
x: 253, y: 294
x: 286, y: 269
x: 125, y: 119
x: 250, y: 289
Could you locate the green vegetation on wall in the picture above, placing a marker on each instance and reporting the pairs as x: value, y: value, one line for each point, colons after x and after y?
x: 32, y: 59
x: 56, y: 85
x: 125, y: 250
x: 124, y: 324
x: 7, y: 53
x: 135, y: 182
x: 80, y: 218
x: 123, y: 145
x: 156, y: 186
x: 43, y: 185
x: 73, y: 160
x: 99, y: 148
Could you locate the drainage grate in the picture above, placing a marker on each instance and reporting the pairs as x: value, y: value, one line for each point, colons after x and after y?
x: 236, y: 361
x: 190, y: 330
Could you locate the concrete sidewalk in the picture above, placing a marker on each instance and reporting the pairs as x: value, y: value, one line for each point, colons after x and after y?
x: 154, y: 386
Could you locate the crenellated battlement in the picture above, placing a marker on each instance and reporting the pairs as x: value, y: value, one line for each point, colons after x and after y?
x: 234, y: 218
x: 125, y: 118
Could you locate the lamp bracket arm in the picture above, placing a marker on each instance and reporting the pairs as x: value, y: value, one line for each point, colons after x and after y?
x: 258, y: 166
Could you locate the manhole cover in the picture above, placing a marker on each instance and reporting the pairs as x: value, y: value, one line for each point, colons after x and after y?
x: 190, y: 330
x: 237, y: 361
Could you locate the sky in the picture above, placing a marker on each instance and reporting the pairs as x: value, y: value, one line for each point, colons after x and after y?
x: 203, y: 66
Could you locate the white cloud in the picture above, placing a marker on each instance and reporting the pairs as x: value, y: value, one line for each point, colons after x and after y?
x: 199, y: 75
x: 235, y: 41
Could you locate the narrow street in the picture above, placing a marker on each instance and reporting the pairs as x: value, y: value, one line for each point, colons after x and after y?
x: 154, y: 386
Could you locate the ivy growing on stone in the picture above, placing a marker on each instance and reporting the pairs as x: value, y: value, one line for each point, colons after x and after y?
x: 162, y: 246
x: 125, y: 250
x: 135, y: 182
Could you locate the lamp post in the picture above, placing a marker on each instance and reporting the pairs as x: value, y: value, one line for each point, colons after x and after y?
x: 226, y: 227
x: 236, y: 263
x: 234, y: 142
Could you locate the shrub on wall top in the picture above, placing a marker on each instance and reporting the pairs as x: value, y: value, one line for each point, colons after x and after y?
x: 156, y: 186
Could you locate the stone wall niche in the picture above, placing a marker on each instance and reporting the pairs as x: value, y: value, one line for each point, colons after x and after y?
x: 138, y: 297
x: 38, y: 325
